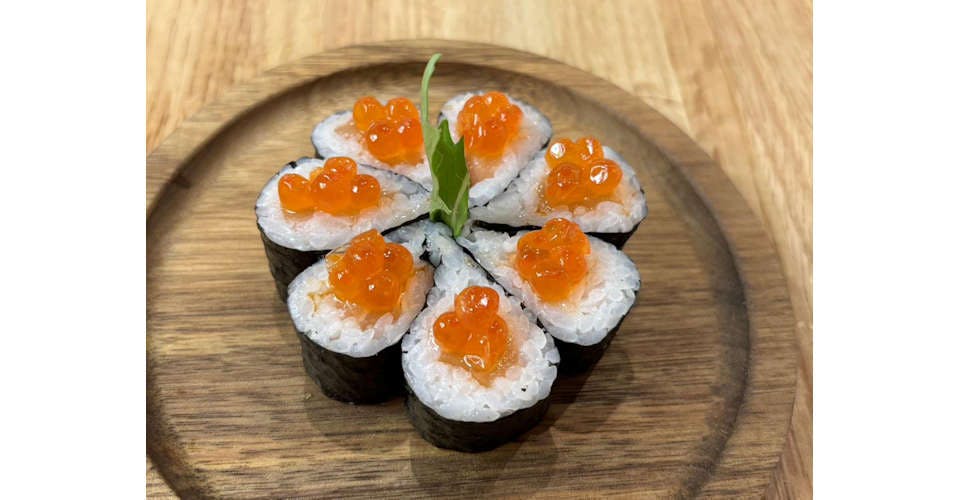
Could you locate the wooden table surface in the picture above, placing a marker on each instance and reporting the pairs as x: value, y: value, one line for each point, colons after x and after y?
x: 737, y: 76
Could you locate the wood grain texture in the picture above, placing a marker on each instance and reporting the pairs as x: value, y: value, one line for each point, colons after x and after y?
x: 693, y: 397
x: 736, y: 76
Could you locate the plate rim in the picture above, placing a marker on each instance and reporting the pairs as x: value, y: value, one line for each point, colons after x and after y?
x: 752, y: 251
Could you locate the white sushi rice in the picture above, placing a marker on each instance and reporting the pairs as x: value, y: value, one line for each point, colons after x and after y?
x: 535, y: 131
x: 322, y: 318
x: 518, y: 205
x: 451, y: 391
x: 402, y: 202
x: 329, y: 140
x: 592, y: 310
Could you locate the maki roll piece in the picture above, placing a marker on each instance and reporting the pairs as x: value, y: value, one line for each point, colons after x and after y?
x: 500, y: 135
x: 478, y: 369
x: 350, y: 310
x: 583, y: 181
x: 385, y: 136
x: 312, y: 206
x: 579, y: 287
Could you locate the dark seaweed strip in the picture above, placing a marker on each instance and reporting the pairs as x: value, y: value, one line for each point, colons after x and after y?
x: 471, y: 436
x: 576, y: 358
x: 616, y: 239
x: 286, y: 263
x: 419, y: 218
x: 368, y: 380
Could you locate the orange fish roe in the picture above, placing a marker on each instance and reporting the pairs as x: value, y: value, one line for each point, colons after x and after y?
x: 370, y: 273
x: 335, y: 188
x: 579, y: 174
x: 553, y: 259
x: 392, y: 133
x: 488, y: 124
x: 473, y: 334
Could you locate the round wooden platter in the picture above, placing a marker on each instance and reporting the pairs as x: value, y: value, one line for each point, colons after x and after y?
x: 693, y: 397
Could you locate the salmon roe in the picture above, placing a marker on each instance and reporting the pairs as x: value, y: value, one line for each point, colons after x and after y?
x: 334, y: 188
x: 553, y: 260
x: 488, y: 124
x: 391, y: 133
x: 370, y: 272
x: 579, y: 174
x: 473, y: 334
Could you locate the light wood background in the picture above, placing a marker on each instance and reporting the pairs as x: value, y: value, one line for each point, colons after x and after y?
x: 737, y: 76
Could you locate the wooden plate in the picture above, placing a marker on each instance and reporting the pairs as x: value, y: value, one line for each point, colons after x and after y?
x: 694, y: 395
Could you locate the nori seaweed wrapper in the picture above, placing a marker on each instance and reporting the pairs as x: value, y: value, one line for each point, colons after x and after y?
x: 369, y: 380
x: 471, y: 436
x: 616, y: 239
x: 286, y: 263
x: 576, y: 358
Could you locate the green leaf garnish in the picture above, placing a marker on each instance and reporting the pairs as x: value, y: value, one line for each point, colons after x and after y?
x: 448, y: 165
x: 430, y: 133
x: 451, y: 181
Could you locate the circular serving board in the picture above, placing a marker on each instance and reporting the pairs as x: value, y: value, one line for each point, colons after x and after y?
x: 693, y: 397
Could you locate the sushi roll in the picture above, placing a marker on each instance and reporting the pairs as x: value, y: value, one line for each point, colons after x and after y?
x: 500, y: 135
x: 579, y: 287
x: 312, y: 206
x: 478, y: 369
x: 385, y: 136
x: 351, y: 308
x: 583, y: 181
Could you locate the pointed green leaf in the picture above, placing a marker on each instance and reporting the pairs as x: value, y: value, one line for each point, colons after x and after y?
x: 450, y: 198
x: 451, y: 181
x: 430, y: 133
